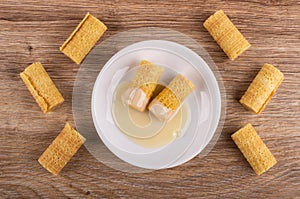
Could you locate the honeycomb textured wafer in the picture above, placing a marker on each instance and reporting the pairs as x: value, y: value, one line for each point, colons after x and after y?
x: 254, y: 150
x: 175, y: 93
x: 41, y: 87
x: 83, y: 38
x: 61, y: 150
x: 262, y: 88
x: 143, y: 85
x: 226, y: 34
x: 167, y: 102
x: 146, y: 77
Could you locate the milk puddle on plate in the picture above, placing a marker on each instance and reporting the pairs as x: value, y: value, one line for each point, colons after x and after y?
x: 145, y: 129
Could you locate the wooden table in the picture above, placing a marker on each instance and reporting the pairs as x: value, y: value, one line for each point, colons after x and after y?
x: 32, y: 31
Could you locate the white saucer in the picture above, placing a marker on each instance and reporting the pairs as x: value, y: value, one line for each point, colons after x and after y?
x: 205, y: 104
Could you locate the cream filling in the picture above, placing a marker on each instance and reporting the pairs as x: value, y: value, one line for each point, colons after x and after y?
x: 136, y: 98
x: 160, y: 111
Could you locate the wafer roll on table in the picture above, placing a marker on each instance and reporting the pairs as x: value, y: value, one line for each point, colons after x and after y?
x: 61, y: 150
x: 41, y: 87
x: 262, y: 88
x: 254, y: 149
x: 165, y: 104
x: 142, y: 85
x: 224, y: 32
x: 83, y: 38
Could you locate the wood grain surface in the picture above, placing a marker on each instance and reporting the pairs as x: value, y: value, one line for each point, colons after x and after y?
x: 33, y: 30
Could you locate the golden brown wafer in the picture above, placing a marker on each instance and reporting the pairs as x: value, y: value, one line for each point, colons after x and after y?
x: 254, y: 150
x: 170, y: 98
x: 226, y: 34
x: 146, y: 77
x: 143, y: 85
x: 83, y: 38
x: 174, y: 94
x: 262, y: 88
x: 61, y: 150
x: 41, y: 87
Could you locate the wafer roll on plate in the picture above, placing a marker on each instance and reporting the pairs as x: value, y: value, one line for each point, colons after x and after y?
x: 262, y: 88
x: 142, y: 85
x: 165, y: 104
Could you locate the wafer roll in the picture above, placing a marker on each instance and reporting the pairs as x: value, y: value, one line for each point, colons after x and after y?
x: 142, y: 85
x: 262, y: 88
x: 83, y: 38
x: 41, y: 87
x: 61, y: 150
x: 226, y: 34
x: 165, y: 104
x: 254, y: 150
